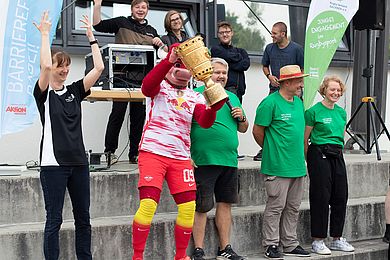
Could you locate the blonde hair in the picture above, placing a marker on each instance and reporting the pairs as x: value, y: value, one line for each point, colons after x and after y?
x: 325, y: 84
x: 135, y: 2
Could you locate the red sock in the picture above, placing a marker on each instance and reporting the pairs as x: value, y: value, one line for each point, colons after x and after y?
x: 182, y: 237
x: 140, y: 235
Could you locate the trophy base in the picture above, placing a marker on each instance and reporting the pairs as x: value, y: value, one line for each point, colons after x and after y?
x: 214, y: 94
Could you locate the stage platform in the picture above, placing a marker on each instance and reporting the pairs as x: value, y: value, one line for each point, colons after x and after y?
x: 114, y: 201
x: 248, y: 163
x: 126, y: 94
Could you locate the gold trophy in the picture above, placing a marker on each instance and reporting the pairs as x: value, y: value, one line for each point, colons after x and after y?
x: 197, y: 60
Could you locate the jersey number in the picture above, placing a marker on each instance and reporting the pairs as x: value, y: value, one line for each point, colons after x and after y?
x: 188, y: 175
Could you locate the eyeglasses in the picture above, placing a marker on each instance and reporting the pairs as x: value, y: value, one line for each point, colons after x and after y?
x: 175, y: 20
x: 224, y: 32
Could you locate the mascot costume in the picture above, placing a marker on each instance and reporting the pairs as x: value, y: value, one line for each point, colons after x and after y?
x: 164, y: 150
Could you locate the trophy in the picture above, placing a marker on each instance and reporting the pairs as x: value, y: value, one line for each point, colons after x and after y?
x: 197, y: 60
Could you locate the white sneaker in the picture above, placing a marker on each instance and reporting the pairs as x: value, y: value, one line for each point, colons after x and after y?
x: 319, y: 247
x: 341, y: 245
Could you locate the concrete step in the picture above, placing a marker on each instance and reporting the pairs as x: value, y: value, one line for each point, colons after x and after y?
x: 364, y: 250
x: 112, y: 235
x: 115, y: 193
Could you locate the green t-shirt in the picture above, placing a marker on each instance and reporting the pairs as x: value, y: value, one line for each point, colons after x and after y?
x: 328, y: 124
x: 283, y: 153
x: 218, y: 144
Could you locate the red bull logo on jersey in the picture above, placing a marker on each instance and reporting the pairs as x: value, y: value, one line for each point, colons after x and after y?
x: 180, y: 104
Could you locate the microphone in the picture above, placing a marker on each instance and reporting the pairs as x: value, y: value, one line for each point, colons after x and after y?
x: 229, y: 104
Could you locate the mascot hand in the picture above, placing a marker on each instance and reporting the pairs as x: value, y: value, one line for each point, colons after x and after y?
x: 217, y: 106
x: 172, y: 55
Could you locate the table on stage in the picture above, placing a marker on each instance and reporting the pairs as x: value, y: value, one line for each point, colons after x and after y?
x: 128, y: 95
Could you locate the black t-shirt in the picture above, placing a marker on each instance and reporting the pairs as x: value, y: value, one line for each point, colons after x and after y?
x: 60, y: 112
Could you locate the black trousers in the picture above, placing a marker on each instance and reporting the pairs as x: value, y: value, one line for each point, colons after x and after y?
x: 55, y: 180
x: 328, y: 187
x: 114, y: 125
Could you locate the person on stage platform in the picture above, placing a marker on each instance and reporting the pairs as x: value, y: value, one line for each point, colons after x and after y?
x: 325, y: 127
x: 165, y: 149
x: 214, y: 152
x: 237, y: 58
x: 279, y: 129
x: 63, y: 160
x: 173, y: 24
x: 279, y: 53
x: 128, y: 30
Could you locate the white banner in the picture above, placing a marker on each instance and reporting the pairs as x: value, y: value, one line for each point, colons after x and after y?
x: 19, y: 59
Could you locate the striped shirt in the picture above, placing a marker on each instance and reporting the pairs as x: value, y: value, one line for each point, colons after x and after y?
x: 168, y: 121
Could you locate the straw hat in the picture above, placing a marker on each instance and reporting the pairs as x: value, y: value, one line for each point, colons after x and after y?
x: 291, y: 72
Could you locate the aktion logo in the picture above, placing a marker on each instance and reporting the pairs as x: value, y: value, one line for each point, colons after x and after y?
x: 16, y: 109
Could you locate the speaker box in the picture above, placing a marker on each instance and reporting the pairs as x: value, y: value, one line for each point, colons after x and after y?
x: 371, y: 15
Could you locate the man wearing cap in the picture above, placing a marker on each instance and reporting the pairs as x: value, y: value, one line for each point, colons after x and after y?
x: 279, y: 129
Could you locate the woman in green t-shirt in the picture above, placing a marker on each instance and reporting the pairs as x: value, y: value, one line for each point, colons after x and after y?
x: 325, y: 127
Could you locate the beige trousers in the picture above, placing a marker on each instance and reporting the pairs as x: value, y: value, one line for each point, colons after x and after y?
x: 281, y: 212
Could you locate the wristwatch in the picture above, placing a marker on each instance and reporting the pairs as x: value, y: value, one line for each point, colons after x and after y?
x: 93, y: 42
x: 243, y: 119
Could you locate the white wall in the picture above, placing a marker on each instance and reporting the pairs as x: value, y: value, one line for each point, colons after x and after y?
x: 21, y: 147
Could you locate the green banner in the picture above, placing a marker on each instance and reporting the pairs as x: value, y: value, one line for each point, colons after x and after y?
x: 326, y: 24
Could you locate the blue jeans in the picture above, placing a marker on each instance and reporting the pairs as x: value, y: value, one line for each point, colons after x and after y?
x: 54, y: 181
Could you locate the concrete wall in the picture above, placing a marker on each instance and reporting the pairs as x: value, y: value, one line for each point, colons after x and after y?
x: 20, y: 147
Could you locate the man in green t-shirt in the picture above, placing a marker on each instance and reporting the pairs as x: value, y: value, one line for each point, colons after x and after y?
x: 279, y: 129
x: 214, y: 152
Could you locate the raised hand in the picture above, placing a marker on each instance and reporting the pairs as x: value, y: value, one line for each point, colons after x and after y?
x: 45, y: 25
x: 172, y: 55
x: 88, y: 26
x: 97, y: 2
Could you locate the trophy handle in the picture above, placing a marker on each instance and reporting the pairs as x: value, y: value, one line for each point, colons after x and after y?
x: 207, y: 53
